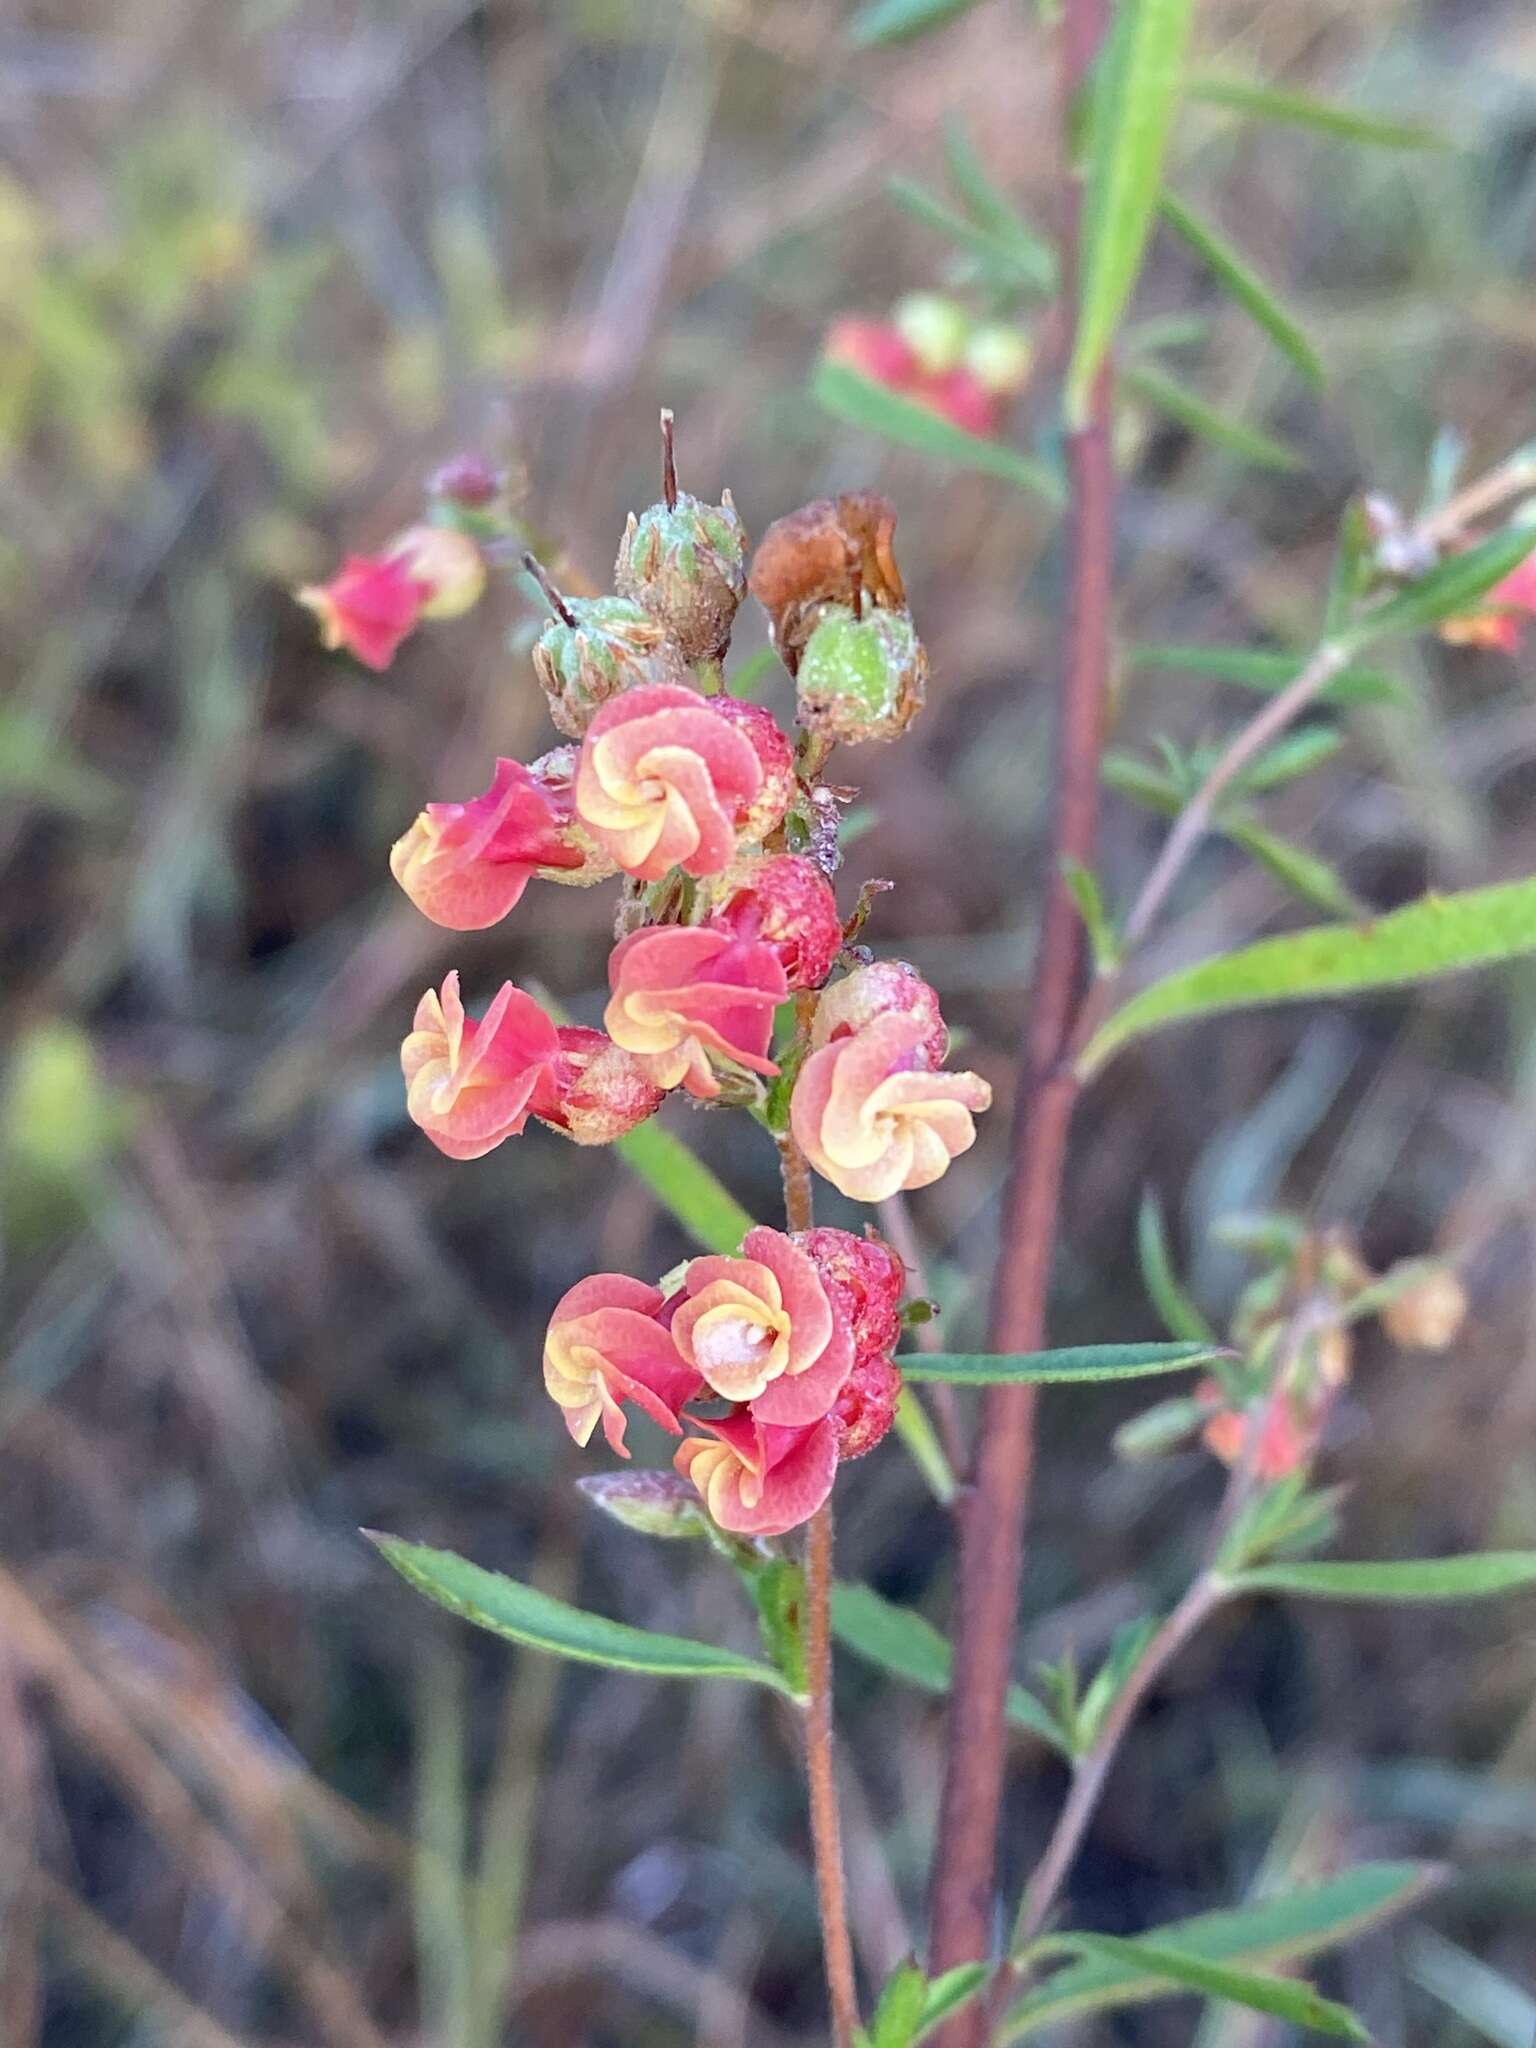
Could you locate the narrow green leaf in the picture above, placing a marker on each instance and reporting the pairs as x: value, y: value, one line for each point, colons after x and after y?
x: 1083, y: 885
x: 1281, y: 1996
x: 863, y: 403
x: 1134, y: 97
x: 1244, y: 283
x: 1435, y: 935
x: 1181, y: 404
x: 1163, y: 1285
x: 1143, y: 782
x: 949, y: 1992
x: 1451, y: 587
x: 906, y: 1644
x: 1267, y: 671
x: 915, y: 1428
x: 1277, y: 1931
x: 895, y: 21
x: 685, y: 1187
x: 524, y: 1615
x: 1078, y: 1363
x: 1315, y: 880
x: 900, y: 2011
x: 1475, y: 1577
x: 1300, y: 751
x: 993, y: 209
x: 1353, y: 568
x: 1300, y: 110
x: 1496, y: 2009
x: 1013, y: 259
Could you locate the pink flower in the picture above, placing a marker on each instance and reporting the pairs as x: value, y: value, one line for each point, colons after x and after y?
x: 471, y: 1084
x: 787, y: 900
x: 762, y: 1328
x: 605, y: 1347
x: 602, y: 1091
x: 368, y: 607
x: 775, y: 757
x: 960, y: 397
x: 758, y: 1479
x: 873, y: 1119
x: 884, y: 987
x: 1287, y: 1437
x: 663, y: 781
x: 877, y: 349
x: 465, y: 865
x: 684, y: 992
x: 1500, y: 622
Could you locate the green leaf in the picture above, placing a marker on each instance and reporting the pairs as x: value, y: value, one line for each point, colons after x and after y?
x: 1452, y: 586
x: 524, y: 1615
x: 1017, y: 261
x: 1288, y: 1519
x: 1245, y: 285
x: 1077, y: 1363
x: 1297, y: 754
x: 1134, y: 97
x: 949, y: 1992
x: 1353, y: 568
x: 1435, y: 935
x: 1300, y: 110
x: 1281, y: 1996
x: 1163, y: 1285
x: 1143, y: 782
x: 1496, y: 2009
x: 915, y: 1428
x: 1083, y: 887
x: 778, y: 1592
x: 1181, y: 404
x: 906, y: 1644
x: 863, y: 403
x: 993, y: 209
x: 894, y: 21
x: 1475, y: 1577
x: 685, y: 1187
x: 1304, y: 873
x: 1276, y: 1932
x: 1268, y: 672
x: 900, y: 2011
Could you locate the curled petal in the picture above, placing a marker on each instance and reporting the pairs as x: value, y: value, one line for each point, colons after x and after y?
x: 663, y: 780
x: 368, y: 607
x: 605, y: 1347
x: 469, y: 1083
x: 684, y: 992
x: 757, y: 1479
x: 465, y: 865
x: 761, y: 1328
x: 872, y: 1121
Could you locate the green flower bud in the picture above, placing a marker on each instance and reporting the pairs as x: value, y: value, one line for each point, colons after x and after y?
x: 862, y: 678
x: 601, y: 645
x: 686, y: 563
x: 651, y: 1503
x: 935, y: 328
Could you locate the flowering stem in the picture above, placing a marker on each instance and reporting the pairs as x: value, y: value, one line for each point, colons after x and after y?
x: 991, y: 1515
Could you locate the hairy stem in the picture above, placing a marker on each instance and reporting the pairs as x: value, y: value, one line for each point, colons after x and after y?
x: 992, y: 1514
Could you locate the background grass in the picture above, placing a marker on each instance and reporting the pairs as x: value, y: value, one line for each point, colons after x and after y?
x: 266, y: 264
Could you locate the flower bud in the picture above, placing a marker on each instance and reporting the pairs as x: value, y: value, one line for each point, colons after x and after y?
x: 605, y: 645
x: 601, y: 1091
x: 866, y: 1408
x: 935, y: 328
x: 651, y: 1503
x: 1428, y: 1314
x: 448, y: 566
x: 468, y: 482
x: 864, y: 1280
x: 834, y: 551
x: 369, y: 606
x: 998, y: 357
x: 685, y: 563
x: 764, y: 813
x: 882, y: 988
x: 787, y: 900
x: 862, y: 678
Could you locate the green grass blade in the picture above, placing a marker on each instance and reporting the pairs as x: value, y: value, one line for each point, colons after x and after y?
x: 1266, y: 670
x: 537, y: 1620
x: 1323, y: 117
x: 1160, y: 1280
x: 1016, y: 261
x: 1435, y: 935
x: 1182, y: 405
x: 1134, y: 99
x: 993, y: 209
x: 1478, y: 1576
x: 1282, y: 1997
x: 949, y: 1992
x: 897, y: 21
x: 1077, y: 1364
x: 1316, y: 881
x: 1244, y: 284
x: 685, y: 1187
x: 1453, y: 586
x: 842, y: 392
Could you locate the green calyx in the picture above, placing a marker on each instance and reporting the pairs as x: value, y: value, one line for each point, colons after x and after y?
x: 685, y: 563
x: 862, y: 678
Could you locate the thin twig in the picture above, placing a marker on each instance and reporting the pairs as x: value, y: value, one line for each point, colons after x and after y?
x: 1457, y: 513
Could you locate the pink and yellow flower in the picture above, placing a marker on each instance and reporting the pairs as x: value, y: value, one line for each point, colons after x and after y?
x: 664, y: 781
x: 757, y: 1478
x: 369, y: 606
x: 472, y: 1083
x: 684, y: 993
x: 605, y: 1347
x: 762, y: 1328
x: 602, y: 1091
x: 1501, y: 620
x: 874, y: 1120
x: 465, y: 865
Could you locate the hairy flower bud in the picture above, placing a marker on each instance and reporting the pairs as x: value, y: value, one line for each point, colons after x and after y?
x: 604, y: 646
x: 865, y: 1279
x: 448, y: 566
x: 834, y: 551
x: 601, y: 1091
x: 1428, y: 1314
x: 775, y: 756
x: 866, y: 1407
x: 884, y: 988
x: 862, y: 678
x: 651, y: 1503
x: 786, y: 900
x: 685, y: 563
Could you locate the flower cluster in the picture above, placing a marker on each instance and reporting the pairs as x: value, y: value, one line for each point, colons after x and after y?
x: 790, y: 1343
x: 933, y: 352
x: 732, y: 979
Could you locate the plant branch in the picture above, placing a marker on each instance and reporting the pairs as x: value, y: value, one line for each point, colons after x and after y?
x: 991, y: 1515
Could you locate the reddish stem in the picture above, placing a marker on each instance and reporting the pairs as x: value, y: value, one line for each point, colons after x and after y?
x: 992, y: 1513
